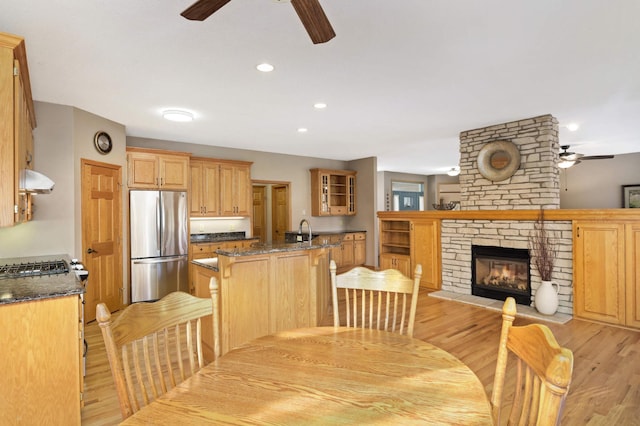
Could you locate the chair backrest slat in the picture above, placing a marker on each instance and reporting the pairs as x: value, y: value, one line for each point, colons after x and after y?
x: 388, y: 299
x: 543, y: 372
x: 154, y: 346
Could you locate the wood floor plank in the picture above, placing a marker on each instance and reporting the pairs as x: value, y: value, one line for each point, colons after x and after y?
x: 606, y: 378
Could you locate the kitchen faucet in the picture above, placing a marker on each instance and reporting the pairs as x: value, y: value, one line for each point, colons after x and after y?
x: 303, y: 221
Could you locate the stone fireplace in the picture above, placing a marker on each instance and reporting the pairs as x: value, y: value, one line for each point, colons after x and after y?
x: 534, y: 185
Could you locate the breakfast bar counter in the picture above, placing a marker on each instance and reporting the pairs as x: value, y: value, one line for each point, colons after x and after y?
x: 272, y: 287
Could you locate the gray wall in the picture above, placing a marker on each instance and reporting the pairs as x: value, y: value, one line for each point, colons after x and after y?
x: 64, y: 135
x: 597, y: 184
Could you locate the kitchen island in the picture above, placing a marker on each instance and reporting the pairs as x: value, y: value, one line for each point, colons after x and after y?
x: 41, y: 341
x: 268, y: 288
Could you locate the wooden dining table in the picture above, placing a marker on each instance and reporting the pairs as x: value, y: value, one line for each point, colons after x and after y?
x: 326, y: 376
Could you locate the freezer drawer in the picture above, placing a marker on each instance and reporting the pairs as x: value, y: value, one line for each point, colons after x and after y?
x: 154, y: 278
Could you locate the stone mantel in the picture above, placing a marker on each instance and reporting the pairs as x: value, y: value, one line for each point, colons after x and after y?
x: 516, y: 215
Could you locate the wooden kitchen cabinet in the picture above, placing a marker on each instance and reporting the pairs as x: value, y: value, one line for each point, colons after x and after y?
x: 333, y: 192
x: 405, y: 243
x: 17, y: 116
x: 425, y: 251
x: 220, y: 187
x: 606, y: 276
x: 41, y: 376
x: 351, y: 252
x: 157, y: 169
x: 235, y: 188
x: 359, y: 248
x: 202, y: 278
x: 205, y: 187
x: 396, y: 261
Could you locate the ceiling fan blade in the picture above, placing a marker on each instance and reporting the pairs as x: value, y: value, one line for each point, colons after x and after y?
x: 202, y: 9
x: 596, y: 157
x: 314, y: 20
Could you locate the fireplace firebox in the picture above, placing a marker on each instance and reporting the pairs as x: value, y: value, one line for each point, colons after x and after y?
x: 500, y: 272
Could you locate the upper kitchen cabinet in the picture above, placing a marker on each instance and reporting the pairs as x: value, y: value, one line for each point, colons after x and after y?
x: 333, y: 192
x: 17, y: 116
x: 157, y: 169
x: 235, y: 188
x: 205, y: 187
x: 220, y: 187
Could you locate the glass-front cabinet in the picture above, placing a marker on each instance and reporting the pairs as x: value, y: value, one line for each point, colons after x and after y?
x: 333, y: 192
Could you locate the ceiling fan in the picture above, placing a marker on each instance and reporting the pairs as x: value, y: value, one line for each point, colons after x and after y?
x: 568, y: 159
x: 309, y: 11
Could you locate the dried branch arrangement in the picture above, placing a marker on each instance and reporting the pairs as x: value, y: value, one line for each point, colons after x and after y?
x: 542, y: 249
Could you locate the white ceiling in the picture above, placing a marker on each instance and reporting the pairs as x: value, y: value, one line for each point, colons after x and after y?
x: 402, y: 78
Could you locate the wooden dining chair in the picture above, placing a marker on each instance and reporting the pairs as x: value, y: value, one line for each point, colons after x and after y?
x: 154, y: 346
x: 384, y: 300
x: 543, y: 373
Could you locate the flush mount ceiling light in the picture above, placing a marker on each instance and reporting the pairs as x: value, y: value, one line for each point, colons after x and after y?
x: 319, y: 105
x: 265, y: 67
x: 177, y: 115
x: 455, y: 171
x: 303, y: 130
x: 572, y: 127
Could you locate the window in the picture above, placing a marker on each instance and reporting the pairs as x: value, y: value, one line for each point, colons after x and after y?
x: 407, y: 195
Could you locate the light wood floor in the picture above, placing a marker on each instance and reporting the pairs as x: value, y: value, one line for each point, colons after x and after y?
x: 606, y: 378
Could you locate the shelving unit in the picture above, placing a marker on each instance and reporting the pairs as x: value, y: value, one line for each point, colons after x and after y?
x: 405, y: 243
x: 395, y: 237
x: 395, y: 245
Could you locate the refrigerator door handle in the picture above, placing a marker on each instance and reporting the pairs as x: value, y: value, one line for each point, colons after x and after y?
x: 158, y: 260
x: 158, y: 224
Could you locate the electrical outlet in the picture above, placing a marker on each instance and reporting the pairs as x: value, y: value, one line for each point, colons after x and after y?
x: 232, y: 227
x: 201, y: 228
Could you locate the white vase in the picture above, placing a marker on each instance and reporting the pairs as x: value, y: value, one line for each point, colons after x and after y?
x: 546, y: 298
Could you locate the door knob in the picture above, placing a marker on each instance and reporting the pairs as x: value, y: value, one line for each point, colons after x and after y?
x: 90, y: 250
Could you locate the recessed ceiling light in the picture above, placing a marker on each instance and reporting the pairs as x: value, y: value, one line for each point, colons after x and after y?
x: 177, y: 115
x: 265, y: 67
x: 572, y: 127
x: 319, y: 105
x: 303, y: 130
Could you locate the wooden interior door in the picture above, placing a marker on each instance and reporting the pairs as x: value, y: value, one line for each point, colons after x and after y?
x: 260, y: 212
x: 102, y: 235
x: 280, y: 212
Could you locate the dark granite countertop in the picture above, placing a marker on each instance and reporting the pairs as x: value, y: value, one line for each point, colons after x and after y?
x: 260, y: 248
x: 14, y: 290
x: 219, y: 236
x: 327, y: 232
x: 209, y: 263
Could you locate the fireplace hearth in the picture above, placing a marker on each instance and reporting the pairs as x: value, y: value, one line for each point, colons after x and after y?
x: 500, y: 272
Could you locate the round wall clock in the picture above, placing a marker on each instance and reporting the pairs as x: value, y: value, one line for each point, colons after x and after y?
x: 498, y: 160
x: 102, y: 142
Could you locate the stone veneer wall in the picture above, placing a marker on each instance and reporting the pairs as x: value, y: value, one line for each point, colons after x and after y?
x: 534, y: 185
x: 457, y: 236
x: 537, y: 181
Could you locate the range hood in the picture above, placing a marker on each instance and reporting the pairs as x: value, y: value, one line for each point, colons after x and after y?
x: 37, y: 183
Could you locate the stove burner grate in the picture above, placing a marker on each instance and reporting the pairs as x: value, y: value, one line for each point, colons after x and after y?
x: 34, y: 269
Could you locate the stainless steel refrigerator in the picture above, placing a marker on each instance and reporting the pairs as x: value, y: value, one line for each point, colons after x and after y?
x: 159, y: 244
